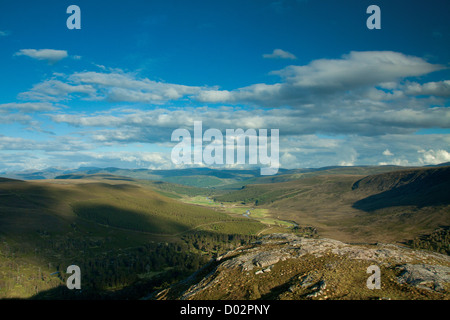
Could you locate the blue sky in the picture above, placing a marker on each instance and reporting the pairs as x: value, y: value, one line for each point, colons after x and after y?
x: 111, y: 93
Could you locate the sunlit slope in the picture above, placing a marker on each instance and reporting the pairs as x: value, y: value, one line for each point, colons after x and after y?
x: 386, y: 207
x: 195, y: 177
x: 169, y: 189
x: 25, y: 206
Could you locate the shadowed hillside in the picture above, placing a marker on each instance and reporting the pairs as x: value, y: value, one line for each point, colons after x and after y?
x: 122, y: 235
x: 419, y: 187
x: 131, y: 235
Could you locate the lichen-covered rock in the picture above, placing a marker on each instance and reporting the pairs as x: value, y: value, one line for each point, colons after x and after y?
x: 405, y: 267
x: 425, y: 276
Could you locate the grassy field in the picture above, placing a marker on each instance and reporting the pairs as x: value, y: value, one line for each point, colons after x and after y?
x: 238, y: 210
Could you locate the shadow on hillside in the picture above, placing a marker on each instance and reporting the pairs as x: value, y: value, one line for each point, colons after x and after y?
x: 432, y: 191
x: 128, y: 219
x: 135, y: 291
x: 175, y: 266
x: 37, y: 234
x: 26, y: 208
x: 132, y: 292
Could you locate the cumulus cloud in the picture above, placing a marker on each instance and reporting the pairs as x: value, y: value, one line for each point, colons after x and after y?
x: 114, y: 86
x: 50, y: 55
x: 434, y: 156
x: 56, y: 90
x: 356, y: 69
x: 439, y: 88
x: 155, y: 123
x: 321, y: 79
x: 356, y: 80
x: 118, y: 86
x: 21, y: 113
x: 395, y: 162
x: 279, y: 54
x: 15, y: 118
x: 362, y: 108
x: 121, y: 159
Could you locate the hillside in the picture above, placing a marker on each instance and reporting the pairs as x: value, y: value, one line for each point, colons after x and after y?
x: 287, y: 267
x: 418, y: 187
x: 135, y: 236
x: 296, y: 174
x: 227, y: 179
x: 389, y: 207
x: 119, y: 232
x: 169, y: 189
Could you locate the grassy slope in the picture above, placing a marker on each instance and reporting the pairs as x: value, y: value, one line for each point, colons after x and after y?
x: 222, y: 179
x: 39, y: 221
x: 48, y: 223
x: 196, y: 177
x: 171, y: 190
x: 296, y: 174
x: 413, y: 202
x: 125, y: 205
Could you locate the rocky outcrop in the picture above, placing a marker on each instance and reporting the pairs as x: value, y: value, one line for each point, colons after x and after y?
x: 266, y: 259
x: 425, y: 276
x: 279, y: 247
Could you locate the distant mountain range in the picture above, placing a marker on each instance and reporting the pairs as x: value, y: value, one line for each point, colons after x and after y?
x: 202, y: 177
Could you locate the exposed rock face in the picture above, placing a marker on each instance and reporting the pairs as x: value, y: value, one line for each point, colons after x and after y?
x: 254, y: 259
x: 287, y: 246
x: 425, y: 276
x: 328, y: 260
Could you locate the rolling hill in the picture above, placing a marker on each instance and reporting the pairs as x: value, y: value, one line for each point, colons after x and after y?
x: 226, y: 179
x: 107, y: 225
x: 135, y: 236
x: 418, y: 187
x: 392, y: 206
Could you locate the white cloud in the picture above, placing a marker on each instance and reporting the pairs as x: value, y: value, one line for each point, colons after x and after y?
x: 121, y: 159
x: 21, y: 113
x: 4, y: 33
x: 28, y: 106
x: 357, y: 69
x: 114, y: 86
x: 49, y: 55
x: 288, y: 160
x: 54, y: 145
x: 321, y: 80
x: 56, y: 90
x: 357, y: 80
x: 439, y: 88
x: 358, y: 109
x: 410, y: 118
x: 15, y: 118
x: 279, y: 54
x: 154, y: 122
x: 434, y: 156
x: 395, y: 162
x: 215, y: 96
